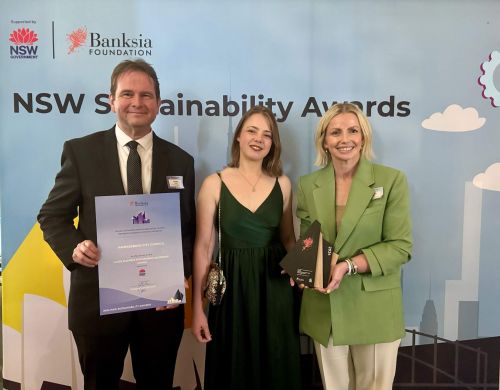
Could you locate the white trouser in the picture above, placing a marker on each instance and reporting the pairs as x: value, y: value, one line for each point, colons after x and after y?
x: 357, y: 367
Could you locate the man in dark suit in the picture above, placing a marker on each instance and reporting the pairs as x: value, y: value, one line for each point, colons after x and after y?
x: 108, y: 163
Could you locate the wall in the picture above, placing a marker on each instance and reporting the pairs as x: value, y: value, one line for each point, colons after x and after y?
x: 425, y: 72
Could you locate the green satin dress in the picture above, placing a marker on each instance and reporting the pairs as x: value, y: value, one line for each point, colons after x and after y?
x: 255, y: 341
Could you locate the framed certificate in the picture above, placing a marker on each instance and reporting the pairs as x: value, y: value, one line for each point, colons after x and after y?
x: 140, y: 240
x: 310, y: 260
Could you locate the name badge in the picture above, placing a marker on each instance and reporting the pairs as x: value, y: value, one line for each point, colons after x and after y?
x: 175, y: 182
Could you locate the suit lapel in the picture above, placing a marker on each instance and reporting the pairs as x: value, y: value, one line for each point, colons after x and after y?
x: 324, y: 199
x: 160, y: 164
x: 360, y: 195
x: 112, y: 164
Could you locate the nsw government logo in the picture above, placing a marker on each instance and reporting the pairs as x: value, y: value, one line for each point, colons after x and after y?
x: 99, y: 44
x: 23, y: 46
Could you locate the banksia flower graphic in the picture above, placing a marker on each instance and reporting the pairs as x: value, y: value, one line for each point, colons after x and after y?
x: 23, y: 36
x: 77, y: 38
x: 307, y: 243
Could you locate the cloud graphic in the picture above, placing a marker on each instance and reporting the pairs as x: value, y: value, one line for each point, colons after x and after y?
x: 454, y: 119
x: 489, y: 180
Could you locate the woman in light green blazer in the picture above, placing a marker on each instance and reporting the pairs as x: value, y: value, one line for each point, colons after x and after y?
x: 357, y: 320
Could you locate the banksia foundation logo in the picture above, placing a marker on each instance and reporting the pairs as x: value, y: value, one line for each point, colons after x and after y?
x: 23, y: 40
x: 117, y: 44
x: 23, y: 36
x: 77, y: 39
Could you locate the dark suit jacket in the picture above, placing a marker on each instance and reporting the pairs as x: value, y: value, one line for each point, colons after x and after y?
x: 90, y: 168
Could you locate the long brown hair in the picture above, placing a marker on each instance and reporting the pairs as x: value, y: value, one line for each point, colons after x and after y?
x: 272, y: 162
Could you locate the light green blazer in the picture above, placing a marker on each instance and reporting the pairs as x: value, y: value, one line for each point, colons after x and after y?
x: 367, y: 308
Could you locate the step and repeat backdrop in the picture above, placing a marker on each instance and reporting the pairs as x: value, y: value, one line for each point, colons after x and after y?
x: 427, y: 74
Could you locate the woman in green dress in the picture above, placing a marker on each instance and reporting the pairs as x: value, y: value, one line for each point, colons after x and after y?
x: 252, y: 336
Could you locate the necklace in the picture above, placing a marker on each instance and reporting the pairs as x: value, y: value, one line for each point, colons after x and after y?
x: 248, y: 181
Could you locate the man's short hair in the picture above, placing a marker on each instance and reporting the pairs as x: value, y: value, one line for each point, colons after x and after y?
x: 137, y: 65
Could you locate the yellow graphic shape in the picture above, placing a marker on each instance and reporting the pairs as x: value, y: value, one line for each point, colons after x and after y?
x: 33, y: 269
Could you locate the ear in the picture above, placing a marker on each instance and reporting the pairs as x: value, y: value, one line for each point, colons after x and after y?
x: 112, y: 102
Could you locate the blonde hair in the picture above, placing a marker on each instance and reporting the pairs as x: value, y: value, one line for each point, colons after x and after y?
x: 322, y: 157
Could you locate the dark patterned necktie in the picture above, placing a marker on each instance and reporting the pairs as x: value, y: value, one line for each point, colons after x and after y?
x: 134, y: 177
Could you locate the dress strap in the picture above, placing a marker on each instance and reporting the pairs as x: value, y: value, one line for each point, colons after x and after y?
x: 217, y: 216
x: 221, y: 182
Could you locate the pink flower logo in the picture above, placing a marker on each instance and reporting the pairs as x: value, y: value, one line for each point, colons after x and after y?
x: 77, y: 39
x: 23, y: 36
x: 307, y: 243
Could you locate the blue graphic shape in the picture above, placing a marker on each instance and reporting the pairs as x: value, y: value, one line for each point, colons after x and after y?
x: 490, y: 91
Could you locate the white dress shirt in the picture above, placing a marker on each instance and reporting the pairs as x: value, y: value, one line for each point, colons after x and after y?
x: 145, y: 150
